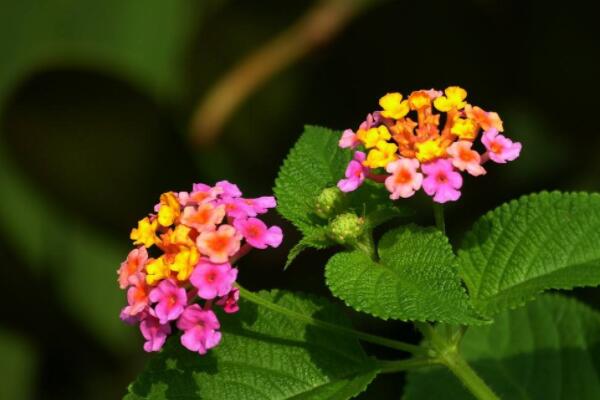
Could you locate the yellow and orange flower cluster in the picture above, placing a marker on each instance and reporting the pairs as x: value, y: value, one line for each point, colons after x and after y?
x: 422, y: 137
x: 429, y: 130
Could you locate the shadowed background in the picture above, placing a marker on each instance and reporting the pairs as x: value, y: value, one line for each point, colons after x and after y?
x: 105, y: 105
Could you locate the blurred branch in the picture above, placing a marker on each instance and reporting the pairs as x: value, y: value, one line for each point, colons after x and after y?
x: 316, y: 27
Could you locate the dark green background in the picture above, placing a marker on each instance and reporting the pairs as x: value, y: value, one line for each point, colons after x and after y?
x: 95, y: 102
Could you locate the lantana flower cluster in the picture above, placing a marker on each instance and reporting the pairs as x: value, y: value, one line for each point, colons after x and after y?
x: 182, y: 267
x: 408, y: 146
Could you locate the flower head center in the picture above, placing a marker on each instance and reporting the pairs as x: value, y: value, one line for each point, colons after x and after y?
x: 403, y: 176
x: 496, y: 147
x: 441, y: 177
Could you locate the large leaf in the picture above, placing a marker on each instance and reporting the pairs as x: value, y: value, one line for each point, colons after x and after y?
x: 315, y: 163
x: 548, y: 350
x: 263, y: 355
x: 541, y: 241
x: 18, y: 366
x: 415, y: 279
x: 141, y: 41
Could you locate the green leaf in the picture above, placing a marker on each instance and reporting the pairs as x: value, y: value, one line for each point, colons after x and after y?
x: 18, y: 366
x: 316, y: 162
x: 415, y: 279
x: 141, y: 41
x: 548, y: 350
x: 263, y: 355
x: 541, y: 241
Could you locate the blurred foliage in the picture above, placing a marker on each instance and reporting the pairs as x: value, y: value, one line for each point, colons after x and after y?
x: 95, y: 99
x: 17, y: 368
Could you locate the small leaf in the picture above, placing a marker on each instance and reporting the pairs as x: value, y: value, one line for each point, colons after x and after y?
x: 416, y: 279
x: 317, y: 239
x: 263, y: 355
x: 548, y: 350
x: 541, y: 241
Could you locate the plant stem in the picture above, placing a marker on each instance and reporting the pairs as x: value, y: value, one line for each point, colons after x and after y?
x: 390, y: 367
x: 321, y: 23
x: 394, y: 344
x: 438, y: 213
x: 468, y: 376
x: 446, y: 352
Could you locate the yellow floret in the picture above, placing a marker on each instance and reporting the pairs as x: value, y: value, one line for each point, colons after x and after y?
x: 145, y: 233
x: 464, y: 129
x: 384, y: 154
x: 429, y: 150
x: 454, y: 98
x: 169, y: 209
x: 393, y: 106
x: 372, y: 136
x: 157, y: 270
x: 184, y: 263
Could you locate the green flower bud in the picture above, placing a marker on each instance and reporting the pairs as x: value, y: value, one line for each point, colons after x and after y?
x: 329, y: 202
x: 346, y: 228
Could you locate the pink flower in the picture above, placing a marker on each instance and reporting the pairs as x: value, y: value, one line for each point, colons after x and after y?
x: 466, y: 159
x: 355, y: 173
x: 500, y: 149
x: 348, y: 140
x: 131, y: 319
x: 171, y: 300
x: 220, y: 244
x: 200, y: 329
x: 238, y: 207
x: 212, y: 279
x: 371, y: 121
x: 129, y: 273
x: 261, y: 205
x: 154, y: 332
x: 205, y: 217
x: 405, y: 180
x: 200, y: 193
x: 137, y: 298
x: 230, y: 302
x: 229, y: 189
x: 257, y: 234
x: 442, y: 182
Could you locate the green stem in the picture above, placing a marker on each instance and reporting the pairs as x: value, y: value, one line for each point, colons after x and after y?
x: 446, y: 351
x: 390, y: 367
x: 468, y: 376
x: 438, y: 213
x: 394, y: 344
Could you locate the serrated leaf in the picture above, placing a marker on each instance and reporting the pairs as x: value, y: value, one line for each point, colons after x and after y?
x: 548, y: 350
x: 314, y: 163
x: 263, y: 355
x: 415, y: 279
x: 538, y: 242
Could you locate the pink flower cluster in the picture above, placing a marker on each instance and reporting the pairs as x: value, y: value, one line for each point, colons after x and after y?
x: 195, y: 238
x: 407, y: 146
